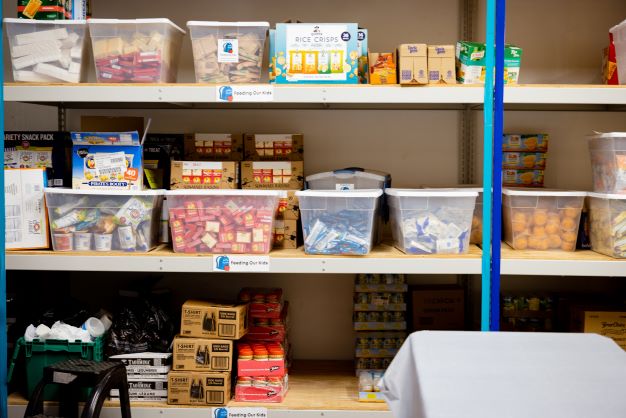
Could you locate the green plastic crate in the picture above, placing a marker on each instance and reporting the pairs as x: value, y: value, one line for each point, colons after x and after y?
x: 39, y: 354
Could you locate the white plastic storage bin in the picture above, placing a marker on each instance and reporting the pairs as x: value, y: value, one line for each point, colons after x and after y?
x: 431, y: 221
x: 349, y: 179
x: 47, y: 51
x: 338, y: 222
x: 607, y: 218
x: 541, y: 219
x: 135, y: 50
x: 228, y: 52
x: 608, y: 162
x: 222, y: 221
x: 619, y: 39
x: 95, y: 220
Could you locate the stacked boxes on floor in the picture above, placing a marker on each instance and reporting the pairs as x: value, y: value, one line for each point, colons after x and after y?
x: 524, y: 159
x: 262, y: 363
x: 380, y: 322
x: 147, y: 376
x: 203, y: 353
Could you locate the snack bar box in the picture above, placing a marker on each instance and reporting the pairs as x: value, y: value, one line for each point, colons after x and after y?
x: 608, y: 162
x: 607, y: 218
x: 213, y: 320
x: 274, y: 147
x: 102, y: 221
x: 135, y: 50
x: 228, y: 52
x: 47, y: 51
x: 541, y: 219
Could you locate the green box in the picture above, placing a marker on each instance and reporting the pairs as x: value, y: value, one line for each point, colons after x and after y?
x: 44, y: 9
x: 39, y: 354
x: 470, y: 63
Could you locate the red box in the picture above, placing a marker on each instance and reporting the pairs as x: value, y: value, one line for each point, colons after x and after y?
x: 264, y: 302
x: 265, y: 394
x: 261, y: 368
x: 275, y: 330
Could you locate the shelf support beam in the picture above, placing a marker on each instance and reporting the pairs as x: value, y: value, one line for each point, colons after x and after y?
x: 3, y: 277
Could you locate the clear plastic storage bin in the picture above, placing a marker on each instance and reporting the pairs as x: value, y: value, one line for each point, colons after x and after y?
x: 222, y: 221
x: 541, y: 219
x: 135, y: 50
x: 349, y: 179
x: 338, y: 222
x: 431, y: 221
x: 94, y: 220
x: 608, y: 162
x: 47, y: 51
x: 607, y: 218
x: 228, y: 52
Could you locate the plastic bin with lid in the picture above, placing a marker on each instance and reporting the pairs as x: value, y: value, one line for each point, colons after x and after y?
x: 47, y: 51
x: 541, y: 219
x: 338, y: 222
x: 222, y: 221
x: 97, y: 220
x: 607, y: 221
x: 608, y: 162
x: 135, y: 50
x: 351, y: 178
x: 228, y: 52
x: 431, y: 221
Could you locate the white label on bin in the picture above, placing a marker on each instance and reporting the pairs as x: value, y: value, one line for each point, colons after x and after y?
x: 344, y: 186
x: 227, y: 50
x: 110, y: 165
x: 241, y: 263
x: 242, y: 412
x: 243, y: 93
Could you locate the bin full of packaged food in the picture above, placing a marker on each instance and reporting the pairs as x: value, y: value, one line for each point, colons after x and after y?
x: 228, y: 52
x: 607, y: 216
x: 541, y: 219
x: 608, y: 162
x: 338, y: 222
x: 431, y: 221
x: 222, y: 221
x: 96, y: 220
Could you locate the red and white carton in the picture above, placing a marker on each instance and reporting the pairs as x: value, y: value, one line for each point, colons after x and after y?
x: 261, y: 390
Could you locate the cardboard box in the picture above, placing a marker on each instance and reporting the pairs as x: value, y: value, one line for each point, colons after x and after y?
x: 413, y: 64
x: 26, y: 221
x: 382, y: 68
x: 274, y: 147
x: 204, y: 175
x: 470, y: 63
x: 145, y: 363
x: 438, y: 308
x: 608, y: 324
x: 144, y: 388
x: 44, y: 9
x: 199, y: 354
x: 288, y: 207
x: 159, y: 150
x: 49, y: 150
x: 272, y: 175
x: 315, y: 53
x: 524, y: 160
x: 361, y: 44
x: 214, y: 147
x: 525, y: 142
x: 441, y: 65
x: 206, y: 319
x: 197, y: 388
x: 287, y: 234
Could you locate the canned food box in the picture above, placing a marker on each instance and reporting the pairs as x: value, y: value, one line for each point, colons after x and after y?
x: 608, y: 162
x: 522, y: 178
x: 102, y: 221
x: 607, y: 216
x: 524, y: 160
x: 541, y: 219
x: 525, y: 142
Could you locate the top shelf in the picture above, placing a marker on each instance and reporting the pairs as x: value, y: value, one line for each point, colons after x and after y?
x: 519, y: 97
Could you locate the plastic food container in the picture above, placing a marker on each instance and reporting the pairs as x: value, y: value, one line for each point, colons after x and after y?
x: 349, y: 179
x: 431, y: 221
x: 607, y: 215
x: 135, y: 50
x: 222, y: 221
x: 228, y: 52
x: 608, y: 162
x: 541, y: 219
x: 96, y: 220
x: 338, y: 222
x: 47, y: 51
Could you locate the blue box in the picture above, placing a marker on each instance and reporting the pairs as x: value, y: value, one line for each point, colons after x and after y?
x: 316, y: 53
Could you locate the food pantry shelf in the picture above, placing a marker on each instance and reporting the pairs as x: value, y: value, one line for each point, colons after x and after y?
x: 316, y: 388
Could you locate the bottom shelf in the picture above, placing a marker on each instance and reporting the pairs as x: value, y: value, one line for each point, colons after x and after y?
x: 316, y: 388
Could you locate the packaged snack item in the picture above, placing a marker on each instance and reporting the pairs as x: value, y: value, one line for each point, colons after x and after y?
x: 522, y: 178
x: 198, y: 388
x: 618, y: 33
x: 204, y: 175
x: 159, y: 150
x: 272, y: 175
x: 608, y: 162
x: 525, y: 142
x: 524, y: 160
x: 44, y: 9
x: 268, y: 359
x: 412, y: 64
x: 441, y: 66
x: 607, y: 218
x: 609, y: 63
x: 363, y: 58
x: 272, y: 389
x: 274, y: 147
x: 382, y: 68
x: 370, y: 386
x: 214, y: 147
x: 470, y: 63
x: 26, y: 224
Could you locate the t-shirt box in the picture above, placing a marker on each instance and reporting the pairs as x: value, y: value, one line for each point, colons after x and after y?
x: 26, y: 222
x: 213, y: 147
x: 274, y: 147
x: 158, y: 152
x: 49, y: 150
x: 272, y: 175
x: 438, y: 308
x: 200, y: 354
x: 608, y: 324
x: 204, y: 175
x: 198, y: 388
x: 213, y: 320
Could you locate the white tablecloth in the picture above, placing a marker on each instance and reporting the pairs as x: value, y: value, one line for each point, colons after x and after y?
x: 507, y: 375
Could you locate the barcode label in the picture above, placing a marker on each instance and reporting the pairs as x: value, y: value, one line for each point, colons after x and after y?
x: 110, y: 165
x: 219, y: 363
x: 226, y: 330
x: 215, y: 396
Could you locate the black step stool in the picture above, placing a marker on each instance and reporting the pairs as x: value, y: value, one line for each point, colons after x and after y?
x: 74, y: 375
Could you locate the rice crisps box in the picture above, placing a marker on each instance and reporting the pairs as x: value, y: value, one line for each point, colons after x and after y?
x: 316, y: 53
x: 107, y: 160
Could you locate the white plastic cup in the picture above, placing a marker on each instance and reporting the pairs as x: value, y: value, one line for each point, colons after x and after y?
x: 106, y: 321
x: 94, y: 327
x: 82, y: 241
x: 103, y: 242
x: 63, y: 242
x: 127, y: 237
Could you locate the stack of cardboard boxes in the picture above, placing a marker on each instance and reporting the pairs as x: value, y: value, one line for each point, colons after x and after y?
x: 413, y: 64
x: 147, y: 376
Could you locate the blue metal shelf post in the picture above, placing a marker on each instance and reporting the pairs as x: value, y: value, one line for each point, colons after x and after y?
x: 3, y: 277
